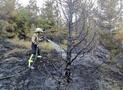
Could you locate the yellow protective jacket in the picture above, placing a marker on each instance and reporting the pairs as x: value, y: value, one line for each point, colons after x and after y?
x: 36, y: 38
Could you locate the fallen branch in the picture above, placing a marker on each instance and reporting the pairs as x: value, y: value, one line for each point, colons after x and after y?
x: 7, y: 77
x: 11, y: 76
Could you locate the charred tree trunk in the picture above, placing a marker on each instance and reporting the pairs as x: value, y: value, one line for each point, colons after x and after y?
x: 69, y: 40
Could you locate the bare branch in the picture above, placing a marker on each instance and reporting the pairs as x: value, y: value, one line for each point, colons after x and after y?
x: 60, y: 2
x: 80, y: 41
x: 82, y: 50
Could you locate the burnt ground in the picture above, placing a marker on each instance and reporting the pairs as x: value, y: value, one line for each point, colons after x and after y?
x: 15, y: 75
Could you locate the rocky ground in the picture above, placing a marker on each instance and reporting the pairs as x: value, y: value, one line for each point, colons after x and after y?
x: 91, y: 72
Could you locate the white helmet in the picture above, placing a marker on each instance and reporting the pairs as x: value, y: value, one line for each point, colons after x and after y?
x: 38, y: 30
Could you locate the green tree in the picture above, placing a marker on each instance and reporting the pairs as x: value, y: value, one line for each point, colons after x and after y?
x: 47, y: 15
x: 7, y: 12
x: 22, y: 23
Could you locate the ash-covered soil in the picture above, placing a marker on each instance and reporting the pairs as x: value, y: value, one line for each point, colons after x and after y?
x: 49, y: 75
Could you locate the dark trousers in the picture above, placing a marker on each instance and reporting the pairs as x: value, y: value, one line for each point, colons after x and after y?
x: 35, y: 49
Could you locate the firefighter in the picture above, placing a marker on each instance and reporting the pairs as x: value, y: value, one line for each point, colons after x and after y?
x: 36, y: 38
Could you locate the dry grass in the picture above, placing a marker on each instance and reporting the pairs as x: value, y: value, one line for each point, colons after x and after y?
x: 64, y: 46
x: 16, y: 52
x: 119, y: 35
x: 25, y: 44
x: 46, y: 45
